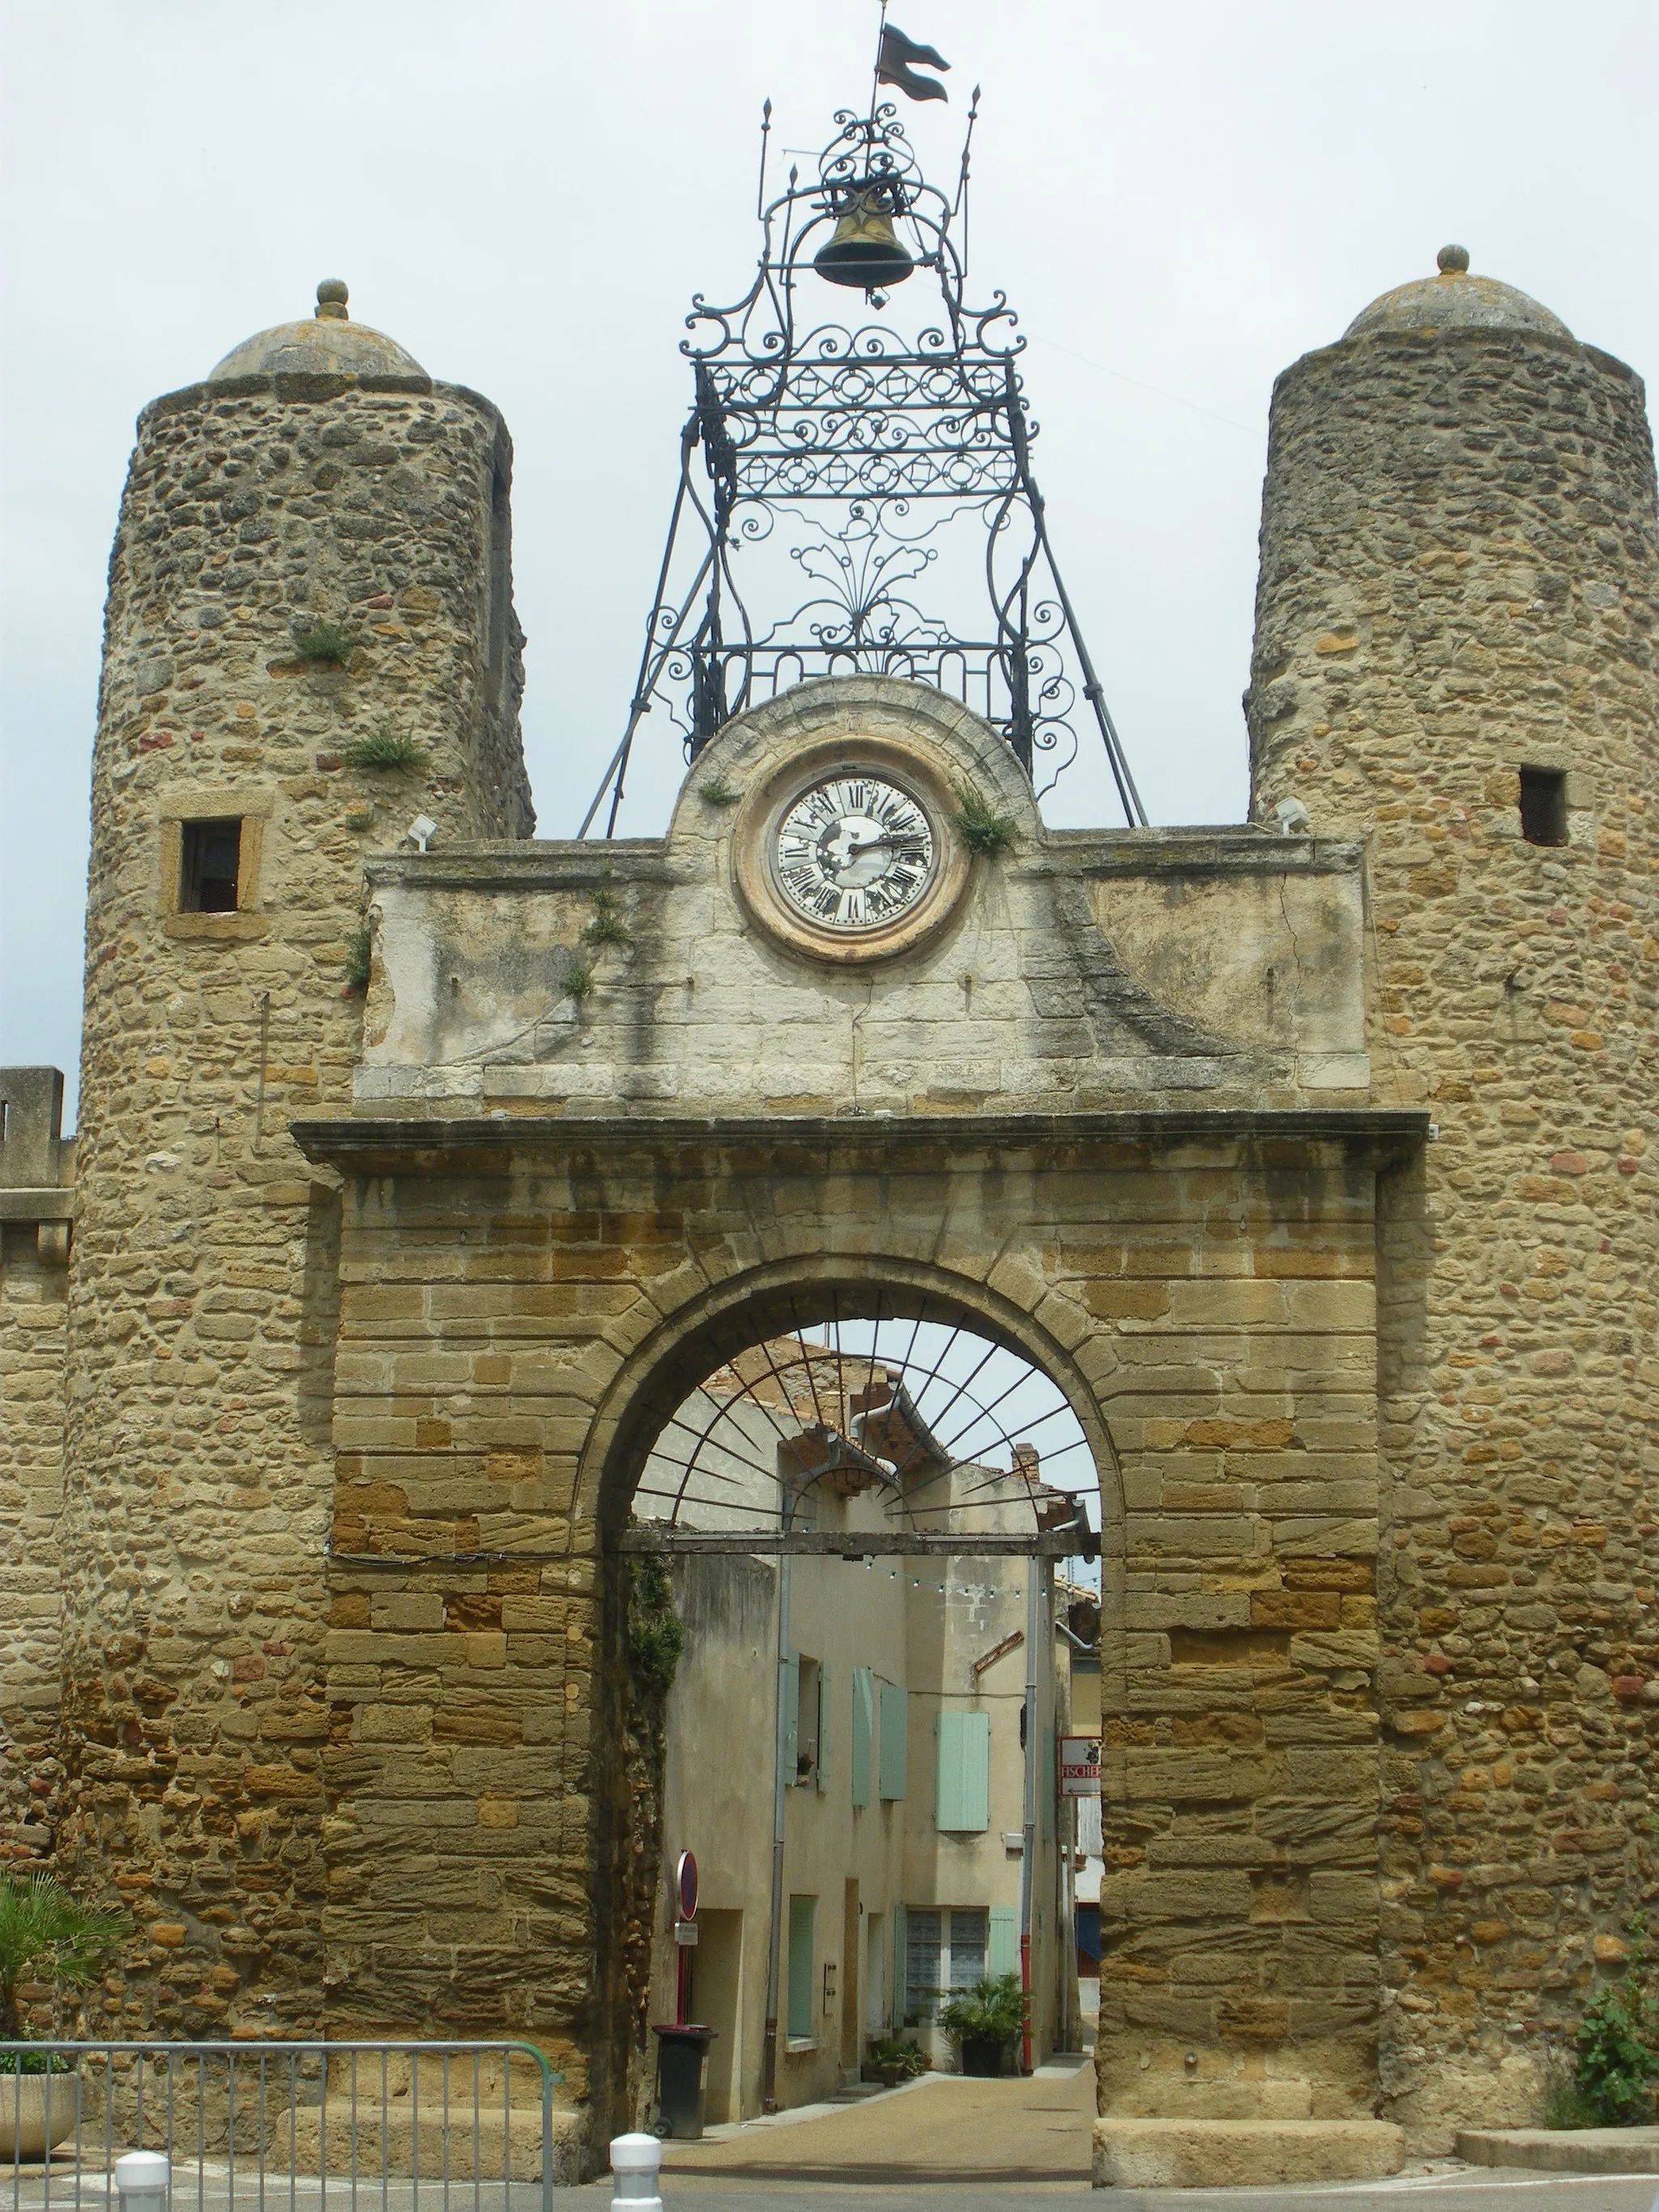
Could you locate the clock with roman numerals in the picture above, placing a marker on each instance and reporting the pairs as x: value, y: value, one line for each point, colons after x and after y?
x: 853, y: 853
x: 847, y: 851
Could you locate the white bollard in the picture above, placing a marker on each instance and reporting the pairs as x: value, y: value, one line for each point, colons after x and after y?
x: 141, y: 2181
x: 635, y: 2167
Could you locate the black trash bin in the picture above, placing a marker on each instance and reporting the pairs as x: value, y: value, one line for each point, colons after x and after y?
x: 682, y: 2050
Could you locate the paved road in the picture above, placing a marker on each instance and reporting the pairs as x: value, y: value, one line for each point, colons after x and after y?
x: 942, y: 2125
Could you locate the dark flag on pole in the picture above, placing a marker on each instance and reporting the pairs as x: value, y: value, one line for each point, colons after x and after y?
x: 894, y: 65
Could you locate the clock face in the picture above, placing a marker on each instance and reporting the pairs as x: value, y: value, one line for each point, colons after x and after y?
x: 853, y: 853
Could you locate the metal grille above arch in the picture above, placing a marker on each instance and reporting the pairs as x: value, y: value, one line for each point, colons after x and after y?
x: 857, y: 1419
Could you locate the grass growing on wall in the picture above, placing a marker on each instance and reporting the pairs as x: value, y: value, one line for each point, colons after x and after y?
x: 979, y: 826
x: 324, y: 641
x: 383, y: 747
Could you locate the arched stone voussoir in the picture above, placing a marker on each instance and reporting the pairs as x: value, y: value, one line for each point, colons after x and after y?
x: 793, y: 1293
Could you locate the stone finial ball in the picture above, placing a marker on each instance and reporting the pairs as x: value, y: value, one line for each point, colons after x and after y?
x: 1453, y: 260
x: 331, y: 297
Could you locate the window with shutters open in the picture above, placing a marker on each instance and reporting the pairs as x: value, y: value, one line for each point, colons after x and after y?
x: 1002, y: 1948
x: 807, y: 1717
x: 963, y: 1792
x: 862, y: 1737
x: 894, y: 1755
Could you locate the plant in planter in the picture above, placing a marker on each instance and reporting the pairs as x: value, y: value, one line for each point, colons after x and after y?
x: 45, y: 1936
x: 985, y: 2021
x: 890, y: 2060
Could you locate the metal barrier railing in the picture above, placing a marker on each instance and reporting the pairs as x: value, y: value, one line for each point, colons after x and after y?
x: 277, y: 2126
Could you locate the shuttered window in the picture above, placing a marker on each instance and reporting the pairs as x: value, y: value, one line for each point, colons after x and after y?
x: 963, y: 1795
x: 803, y: 1929
x: 791, y: 1717
x: 863, y: 1731
x: 893, y: 1758
x: 1002, y: 1952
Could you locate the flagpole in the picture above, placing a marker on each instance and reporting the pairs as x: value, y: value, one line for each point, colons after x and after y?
x: 875, y: 74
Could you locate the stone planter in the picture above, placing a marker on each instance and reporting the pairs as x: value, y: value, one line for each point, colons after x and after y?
x: 36, y: 2111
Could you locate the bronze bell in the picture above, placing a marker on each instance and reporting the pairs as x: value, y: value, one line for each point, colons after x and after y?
x: 864, y: 252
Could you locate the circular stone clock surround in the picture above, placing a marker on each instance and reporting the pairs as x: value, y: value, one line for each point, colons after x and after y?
x: 906, y: 763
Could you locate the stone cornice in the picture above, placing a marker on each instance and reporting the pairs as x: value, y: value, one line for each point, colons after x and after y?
x: 358, y: 1139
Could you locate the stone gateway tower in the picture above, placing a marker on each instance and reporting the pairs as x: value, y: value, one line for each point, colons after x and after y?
x: 310, y: 645
x: 1455, y: 663
x: 426, y: 1167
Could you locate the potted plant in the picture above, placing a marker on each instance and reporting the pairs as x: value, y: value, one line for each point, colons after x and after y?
x: 985, y: 2021
x: 45, y: 1935
x: 890, y: 2060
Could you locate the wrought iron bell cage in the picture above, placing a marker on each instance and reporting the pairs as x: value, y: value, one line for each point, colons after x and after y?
x: 867, y: 460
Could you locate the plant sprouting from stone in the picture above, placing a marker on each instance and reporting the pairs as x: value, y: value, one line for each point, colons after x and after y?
x: 606, y: 925
x: 360, y: 953
x: 979, y: 826
x: 47, y: 1935
x: 579, y: 981
x: 322, y: 640
x: 714, y: 791
x: 361, y: 817
x: 656, y: 1636
x: 383, y: 747
x: 1616, y: 2047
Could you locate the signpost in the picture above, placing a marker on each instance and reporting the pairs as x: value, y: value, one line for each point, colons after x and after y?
x: 1079, y: 1766
x: 685, y: 1932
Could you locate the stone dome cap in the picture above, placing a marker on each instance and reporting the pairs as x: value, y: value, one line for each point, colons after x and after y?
x: 328, y: 344
x: 1456, y: 301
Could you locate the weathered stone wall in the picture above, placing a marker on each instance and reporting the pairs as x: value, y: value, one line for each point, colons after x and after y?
x: 1458, y: 574
x: 32, y: 1354
x: 201, y: 1289
x: 525, y: 1300
x: 1243, y: 981
x: 37, y: 1171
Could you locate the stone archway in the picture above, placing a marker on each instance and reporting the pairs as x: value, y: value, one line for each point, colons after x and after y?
x: 523, y: 1293
x: 808, y: 1306
x: 786, y: 1295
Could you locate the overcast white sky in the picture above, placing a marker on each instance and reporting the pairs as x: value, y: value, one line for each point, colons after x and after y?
x: 1180, y: 199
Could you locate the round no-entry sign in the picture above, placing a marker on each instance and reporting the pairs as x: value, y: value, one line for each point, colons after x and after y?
x: 685, y: 1881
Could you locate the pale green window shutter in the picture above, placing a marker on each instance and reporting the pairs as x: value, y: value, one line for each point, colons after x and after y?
x: 1002, y: 1951
x: 864, y: 1728
x: 901, y: 1939
x: 893, y: 1758
x: 962, y: 1799
x: 821, y: 1773
x: 803, y: 1917
x: 791, y: 1717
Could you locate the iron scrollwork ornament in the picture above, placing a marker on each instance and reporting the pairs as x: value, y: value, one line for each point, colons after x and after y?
x: 887, y: 474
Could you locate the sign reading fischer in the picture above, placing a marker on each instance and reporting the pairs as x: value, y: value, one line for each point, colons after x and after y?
x: 1079, y: 1766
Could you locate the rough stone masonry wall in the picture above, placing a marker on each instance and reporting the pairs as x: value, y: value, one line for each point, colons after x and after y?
x: 203, y: 1289
x: 32, y: 1282
x: 522, y: 1299
x: 1458, y: 572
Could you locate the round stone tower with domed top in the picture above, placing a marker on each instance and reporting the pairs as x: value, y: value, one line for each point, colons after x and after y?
x: 311, y: 657
x: 1454, y: 662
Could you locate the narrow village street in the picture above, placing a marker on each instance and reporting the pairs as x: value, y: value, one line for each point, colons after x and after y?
x: 1032, y: 2131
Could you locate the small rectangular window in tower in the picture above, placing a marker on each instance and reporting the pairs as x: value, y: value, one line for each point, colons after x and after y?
x: 210, y: 864
x: 1544, y: 806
